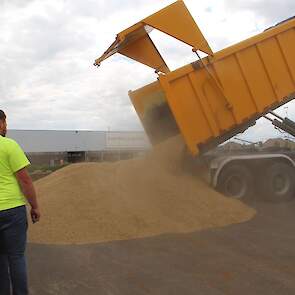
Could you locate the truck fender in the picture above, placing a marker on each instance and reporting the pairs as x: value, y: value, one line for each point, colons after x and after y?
x: 219, y: 163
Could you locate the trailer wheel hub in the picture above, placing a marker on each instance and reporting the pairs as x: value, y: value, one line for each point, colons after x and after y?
x: 281, y: 183
x: 235, y: 186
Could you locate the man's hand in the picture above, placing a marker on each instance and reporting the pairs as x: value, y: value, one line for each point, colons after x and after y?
x: 28, y: 190
x: 35, y: 215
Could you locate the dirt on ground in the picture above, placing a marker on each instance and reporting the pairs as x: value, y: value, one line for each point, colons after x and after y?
x: 255, y: 257
x: 96, y: 202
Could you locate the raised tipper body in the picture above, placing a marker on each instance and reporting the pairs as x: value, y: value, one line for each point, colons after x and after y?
x: 216, y: 97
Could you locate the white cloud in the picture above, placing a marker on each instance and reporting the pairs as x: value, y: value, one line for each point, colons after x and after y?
x: 266, y: 10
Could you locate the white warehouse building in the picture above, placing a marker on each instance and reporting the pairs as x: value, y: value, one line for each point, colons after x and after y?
x: 58, y: 146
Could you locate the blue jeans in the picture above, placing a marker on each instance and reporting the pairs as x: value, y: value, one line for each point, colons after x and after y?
x: 13, y: 238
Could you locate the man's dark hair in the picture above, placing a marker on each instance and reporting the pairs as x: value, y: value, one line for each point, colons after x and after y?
x: 2, y: 116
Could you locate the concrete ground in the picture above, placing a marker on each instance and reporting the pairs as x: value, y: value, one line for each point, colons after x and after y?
x: 257, y: 257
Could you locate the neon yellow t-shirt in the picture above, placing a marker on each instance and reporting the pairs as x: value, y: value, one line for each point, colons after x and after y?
x: 12, y: 159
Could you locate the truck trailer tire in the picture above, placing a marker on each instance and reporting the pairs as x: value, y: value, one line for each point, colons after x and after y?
x: 278, y: 182
x: 236, y: 181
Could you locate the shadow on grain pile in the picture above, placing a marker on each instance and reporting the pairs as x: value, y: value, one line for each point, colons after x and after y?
x: 142, y: 197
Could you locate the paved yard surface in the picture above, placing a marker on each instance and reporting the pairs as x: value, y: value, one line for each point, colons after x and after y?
x: 257, y: 257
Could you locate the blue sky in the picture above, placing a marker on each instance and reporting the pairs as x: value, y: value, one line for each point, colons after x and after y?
x: 48, y: 48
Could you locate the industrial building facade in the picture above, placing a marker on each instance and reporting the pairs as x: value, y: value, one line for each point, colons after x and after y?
x: 54, y: 147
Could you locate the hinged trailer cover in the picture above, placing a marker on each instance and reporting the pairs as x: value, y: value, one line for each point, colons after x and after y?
x: 174, y: 20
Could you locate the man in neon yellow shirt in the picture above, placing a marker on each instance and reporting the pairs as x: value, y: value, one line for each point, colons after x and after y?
x: 16, y: 188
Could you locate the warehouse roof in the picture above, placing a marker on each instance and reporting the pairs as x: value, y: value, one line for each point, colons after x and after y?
x: 74, y: 140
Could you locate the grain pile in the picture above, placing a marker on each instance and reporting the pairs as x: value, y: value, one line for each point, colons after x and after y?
x: 95, y: 202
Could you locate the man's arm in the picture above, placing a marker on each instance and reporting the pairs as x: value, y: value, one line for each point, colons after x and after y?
x: 29, y: 192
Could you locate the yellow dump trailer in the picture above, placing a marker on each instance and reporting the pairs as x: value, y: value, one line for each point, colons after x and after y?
x: 216, y: 97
